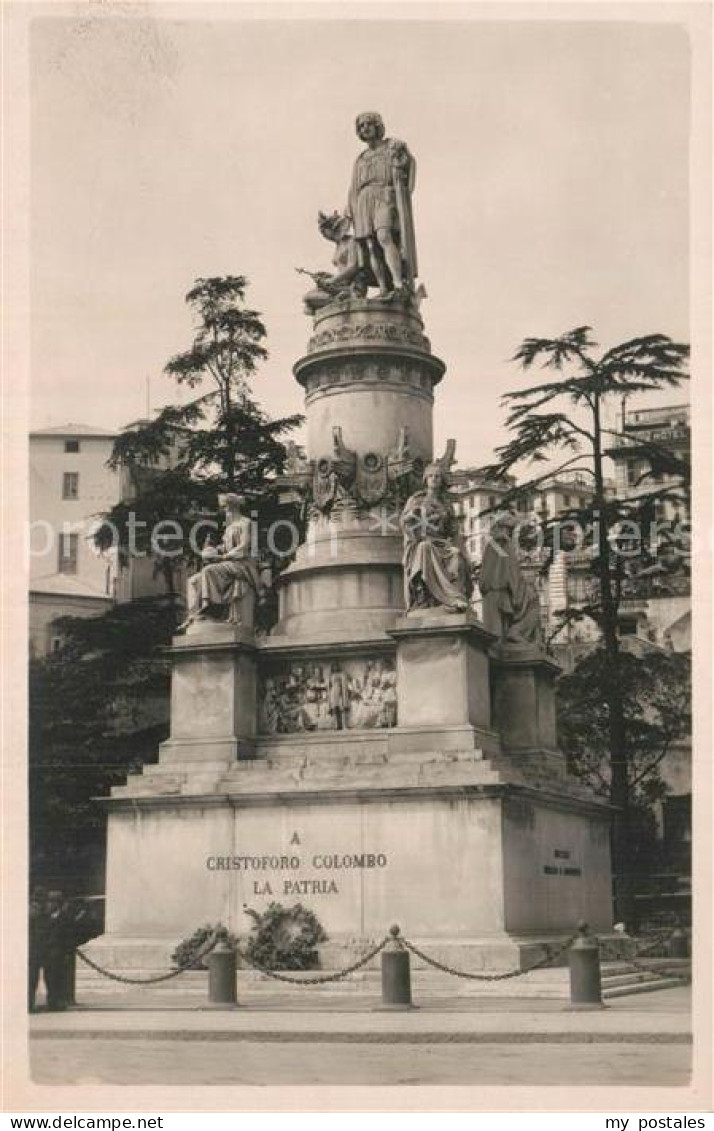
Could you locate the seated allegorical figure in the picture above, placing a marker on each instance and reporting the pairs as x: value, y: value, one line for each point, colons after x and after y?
x: 436, y: 569
x: 511, y: 606
x: 229, y: 578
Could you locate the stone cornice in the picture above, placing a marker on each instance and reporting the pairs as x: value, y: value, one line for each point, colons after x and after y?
x: 221, y: 638
x: 524, y: 658
x: 301, y: 646
x: 424, y: 625
x: 347, y: 795
x: 368, y: 353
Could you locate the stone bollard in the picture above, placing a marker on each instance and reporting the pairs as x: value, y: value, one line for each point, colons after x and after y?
x: 584, y: 963
x: 678, y: 945
x: 221, y: 964
x: 396, y: 974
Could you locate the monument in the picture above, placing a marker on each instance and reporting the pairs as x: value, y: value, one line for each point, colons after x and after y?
x: 382, y: 755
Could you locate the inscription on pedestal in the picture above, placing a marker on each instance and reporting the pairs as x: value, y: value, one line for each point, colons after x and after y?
x: 284, y: 875
x: 562, y: 869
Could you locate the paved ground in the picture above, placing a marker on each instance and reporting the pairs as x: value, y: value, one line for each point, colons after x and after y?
x: 643, y: 1039
x: 254, y: 1063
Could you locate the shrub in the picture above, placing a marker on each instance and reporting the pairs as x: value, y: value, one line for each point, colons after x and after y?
x: 189, y: 947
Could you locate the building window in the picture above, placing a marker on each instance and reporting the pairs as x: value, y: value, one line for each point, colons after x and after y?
x: 636, y: 471
x: 71, y: 445
x: 70, y: 485
x: 68, y: 551
x: 677, y: 814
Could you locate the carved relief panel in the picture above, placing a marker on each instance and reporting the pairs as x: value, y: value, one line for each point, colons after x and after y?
x: 320, y: 695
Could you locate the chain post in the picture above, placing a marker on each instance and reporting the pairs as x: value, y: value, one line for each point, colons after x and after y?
x: 396, y: 974
x: 221, y: 964
x: 584, y: 963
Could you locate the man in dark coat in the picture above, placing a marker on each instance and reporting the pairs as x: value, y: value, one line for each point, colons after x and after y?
x: 36, y: 943
x: 59, y: 950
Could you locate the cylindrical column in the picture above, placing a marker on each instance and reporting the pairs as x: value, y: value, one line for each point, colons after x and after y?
x: 584, y: 962
x: 369, y: 378
x: 396, y: 974
x: 369, y: 370
x: 221, y: 964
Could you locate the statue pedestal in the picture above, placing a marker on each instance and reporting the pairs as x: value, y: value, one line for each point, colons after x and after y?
x: 346, y: 579
x: 481, y: 856
x: 443, y: 679
x: 477, y: 867
x: 375, y: 766
x: 213, y: 696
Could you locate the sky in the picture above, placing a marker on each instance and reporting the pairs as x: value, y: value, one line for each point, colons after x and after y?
x: 551, y: 192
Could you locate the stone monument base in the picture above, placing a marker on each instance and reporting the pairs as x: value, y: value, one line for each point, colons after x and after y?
x: 475, y: 858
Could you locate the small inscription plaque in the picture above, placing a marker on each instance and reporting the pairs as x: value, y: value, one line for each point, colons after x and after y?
x: 559, y: 869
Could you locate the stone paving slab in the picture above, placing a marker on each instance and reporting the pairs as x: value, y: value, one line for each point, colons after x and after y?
x: 186, y: 1064
x: 664, y: 1020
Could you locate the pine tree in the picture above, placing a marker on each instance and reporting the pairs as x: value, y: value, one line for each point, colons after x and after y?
x: 567, y: 415
x: 99, y: 706
x: 180, y: 462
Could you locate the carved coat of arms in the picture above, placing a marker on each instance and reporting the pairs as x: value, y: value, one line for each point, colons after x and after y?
x: 372, y: 481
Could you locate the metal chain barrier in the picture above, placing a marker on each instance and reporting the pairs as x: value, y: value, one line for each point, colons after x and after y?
x: 551, y: 955
x: 321, y: 979
x: 653, y: 944
x: 190, y: 965
x: 335, y: 977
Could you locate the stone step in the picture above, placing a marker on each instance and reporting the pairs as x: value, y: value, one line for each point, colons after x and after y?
x: 612, y: 969
x: 551, y: 983
x: 641, y: 987
x: 630, y: 979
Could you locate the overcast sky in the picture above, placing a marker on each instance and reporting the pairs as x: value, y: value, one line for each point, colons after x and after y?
x: 551, y: 191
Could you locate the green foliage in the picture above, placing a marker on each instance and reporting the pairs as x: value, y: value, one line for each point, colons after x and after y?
x: 228, y: 340
x: 566, y: 416
x: 649, y: 363
x: 656, y: 690
x: 189, y: 947
x: 98, y: 709
x: 284, y: 938
x: 178, y: 464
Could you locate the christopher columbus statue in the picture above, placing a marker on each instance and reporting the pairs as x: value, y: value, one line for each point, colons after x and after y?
x: 380, y: 208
